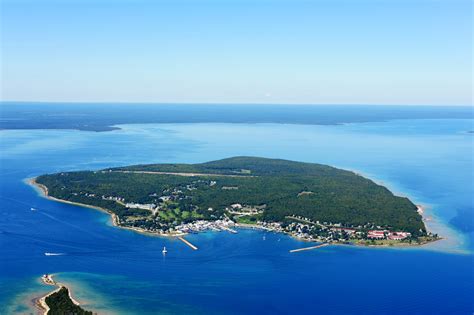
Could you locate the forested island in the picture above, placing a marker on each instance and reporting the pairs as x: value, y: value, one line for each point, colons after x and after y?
x: 310, y: 201
x: 60, y: 303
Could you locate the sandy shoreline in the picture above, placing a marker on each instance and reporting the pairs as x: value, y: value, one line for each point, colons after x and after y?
x: 40, y: 303
x: 450, y: 240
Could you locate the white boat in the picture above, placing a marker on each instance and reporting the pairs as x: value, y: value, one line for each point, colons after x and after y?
x: 33, y: 209
x: 53, y: 254
x: 164, y: 251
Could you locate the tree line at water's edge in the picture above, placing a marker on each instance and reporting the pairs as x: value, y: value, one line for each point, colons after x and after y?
x: 59, y: 303
x: 331, y: 195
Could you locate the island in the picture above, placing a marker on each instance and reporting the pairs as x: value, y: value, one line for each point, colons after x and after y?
x: 309, y: 201
x: 59, y: 301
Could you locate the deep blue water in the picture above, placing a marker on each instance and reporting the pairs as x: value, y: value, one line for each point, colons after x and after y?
x: 118, y: 271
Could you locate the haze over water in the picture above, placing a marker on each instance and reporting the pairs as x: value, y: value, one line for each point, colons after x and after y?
x: 119, y: 271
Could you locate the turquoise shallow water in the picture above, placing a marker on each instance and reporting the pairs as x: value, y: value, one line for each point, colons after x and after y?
x: 118, y: 271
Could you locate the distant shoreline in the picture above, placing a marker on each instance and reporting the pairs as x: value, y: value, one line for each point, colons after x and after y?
x: 30, y: 115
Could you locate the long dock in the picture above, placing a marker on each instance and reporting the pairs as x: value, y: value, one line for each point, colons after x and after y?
x: 308, y: 248
x: 187, y: 242
x: 229, y: 230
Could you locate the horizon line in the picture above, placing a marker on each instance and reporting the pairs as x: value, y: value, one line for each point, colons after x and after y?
x: 232, y: 103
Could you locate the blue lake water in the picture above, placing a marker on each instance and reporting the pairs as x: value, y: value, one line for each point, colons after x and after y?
x: 118, y: 271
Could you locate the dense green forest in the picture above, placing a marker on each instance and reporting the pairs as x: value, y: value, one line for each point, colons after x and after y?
x: 283, y: 188
x: 60, y: 304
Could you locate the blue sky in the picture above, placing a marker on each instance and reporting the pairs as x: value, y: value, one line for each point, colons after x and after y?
x: 305, y: 52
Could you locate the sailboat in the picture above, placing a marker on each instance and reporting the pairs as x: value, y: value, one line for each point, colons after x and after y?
x: 164, y: 251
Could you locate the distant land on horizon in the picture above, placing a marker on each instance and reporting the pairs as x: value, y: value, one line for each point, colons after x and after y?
x: 105, y: 116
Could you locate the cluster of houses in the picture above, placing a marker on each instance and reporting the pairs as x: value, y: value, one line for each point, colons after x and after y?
x: 354, y: 232
x: 299, y: 230
x: 348, y: 231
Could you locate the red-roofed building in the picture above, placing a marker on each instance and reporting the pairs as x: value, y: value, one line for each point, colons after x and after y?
x: 377, y: 234
x: 398, y: 235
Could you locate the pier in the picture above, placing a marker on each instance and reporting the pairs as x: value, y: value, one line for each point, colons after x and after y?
x: 229, y: 230
x: 187, y: 242
x: 308, y: 248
